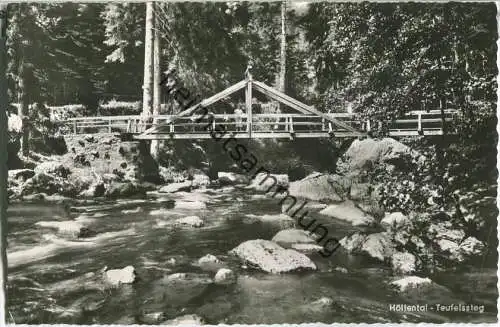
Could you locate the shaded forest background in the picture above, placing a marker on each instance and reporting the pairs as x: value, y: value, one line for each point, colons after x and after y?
x: 381, y: 59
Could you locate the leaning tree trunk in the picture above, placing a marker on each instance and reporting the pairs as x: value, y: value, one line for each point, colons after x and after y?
x: 23, y: 108
x: 155, y: 145
x: 148, y: 62
x: 3, y: 161
x: 282, y: 72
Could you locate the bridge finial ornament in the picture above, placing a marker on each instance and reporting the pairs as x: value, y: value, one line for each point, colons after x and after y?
x: 248, y: 73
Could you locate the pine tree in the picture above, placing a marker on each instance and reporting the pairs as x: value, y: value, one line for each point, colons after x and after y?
x: 147, y: 97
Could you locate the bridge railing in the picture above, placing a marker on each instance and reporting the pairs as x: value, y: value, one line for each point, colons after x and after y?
x: 413, y: 123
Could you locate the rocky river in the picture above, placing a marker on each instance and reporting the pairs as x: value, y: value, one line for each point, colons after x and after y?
x: 56, y: 277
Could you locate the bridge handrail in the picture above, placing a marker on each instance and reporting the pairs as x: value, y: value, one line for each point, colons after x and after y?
x: 268, y: 115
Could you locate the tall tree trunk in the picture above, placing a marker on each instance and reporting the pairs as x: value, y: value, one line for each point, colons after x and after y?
x: 282, y: 72
x: 155, y: 144
x: 4, y: 102
x: 148, y: 62
x: 23, y: 108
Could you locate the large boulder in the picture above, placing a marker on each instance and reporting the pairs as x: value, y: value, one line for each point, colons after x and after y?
x: 270, y: 257
x: 377, y: 245
x: 349, y: 212
x: 316, y: 187
x: 269, y: 182
x: 364, y: 154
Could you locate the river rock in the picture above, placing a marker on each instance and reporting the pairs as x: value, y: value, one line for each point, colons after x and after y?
x: 279, y: 218
x: 176, y: 187
x: 364, y: 154
x: 314, y: 187
x: 272, y: 258
x: 200, y: 180
x: 136, y: 210
x: 224, y: 276
x: 69, y: 227
x: 231, y: 178
x: 192, y: 205
x: 152, y: 318
x: 269, y: 182
x: 403, y: 263
x: 193, y: 320
x: 306, y: 248
x: 378, y: 245
x: 193, y: 221
x: 394, y: 221
x: 119, y: 190
x: 349, y: 212
x: 293, y: 235
x: 120, y: 276
x: 410, y: 282
x: 321, y: 304
x: 207, y: 259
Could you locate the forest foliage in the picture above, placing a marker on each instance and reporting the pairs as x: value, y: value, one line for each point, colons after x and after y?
x: 383, y: 59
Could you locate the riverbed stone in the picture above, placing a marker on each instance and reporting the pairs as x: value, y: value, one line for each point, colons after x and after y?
x: 191, y: 319
x: 226, y: 178
x: 411, y: 282
x: 293, y: 235
x: 192, y: 205
x: 264, y: 182
x: 208, y: 259
x: 67, y: 228
x: 347, y: 211
x: 306, y: 248
x: 200, y: 180
x: 270, y: 257
x: 193, y: 221
x: 224, y: 276
x: 377, y: 245
x: 176, y: 187
x: 316, y: 187
x: 120, y: 276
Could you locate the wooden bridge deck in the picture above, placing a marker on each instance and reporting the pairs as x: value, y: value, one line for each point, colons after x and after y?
x: 259, y: 126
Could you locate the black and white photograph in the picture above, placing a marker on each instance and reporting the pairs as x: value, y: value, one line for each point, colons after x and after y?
x: 248, y: 162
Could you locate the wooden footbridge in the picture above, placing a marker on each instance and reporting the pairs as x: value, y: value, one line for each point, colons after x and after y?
x: 305, y: 122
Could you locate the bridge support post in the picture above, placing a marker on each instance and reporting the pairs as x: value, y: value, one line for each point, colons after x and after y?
x: 419, y: 126
x: 248, y: 103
